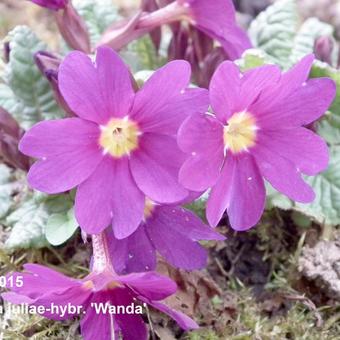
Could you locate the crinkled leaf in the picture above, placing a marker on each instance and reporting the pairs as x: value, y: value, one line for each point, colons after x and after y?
x: 321, y: 69
x: 98, y: 15
x: 305, y: 39
x: 274, y: 30
x: 301, y: 220
x: 60, y: 227
x: 7, y: 187
x: 326, y: 207
x: 329, y: 128
x: 9, y: 101
x: 29, y: 220
x: 253, y: 58
x: 30, y: 89
x: 28, y: 225
x: 276, y: 199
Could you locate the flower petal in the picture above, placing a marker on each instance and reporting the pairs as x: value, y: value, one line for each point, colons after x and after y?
x: 304, y: 148
x: 37, y: 278
x: 298, y: 74
x: 127, y: 201
x: 132, y: 254
x: 183, y: 320
x: 282, y: 174
x: 304, y: 106
x: 200, y: 133
x: 186, y: 223
x: 199, y: 173
x: 115, y: 81
x: 62, y: 172
x: 106, y: 196
x: 240, y: 190
x: 288, y: 83
x: 97, y: 325
x: 254, y: 82
x: 225, y: 90
x: 151, y: 285
x: 176, y: 247
x: 93, y: 206
x: 131, y: 326
x: 75, y: 296
x: 202, y: 137
x: 15, y: 298
x: 155, y: 168
x: 171, y: 114
x: 53, y: 137
x: 165, y: 111
x: 98, y: 91
x: 217, y: 19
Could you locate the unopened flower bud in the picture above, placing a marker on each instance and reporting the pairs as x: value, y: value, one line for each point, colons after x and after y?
x: 323, y: 49
x: 10, y: 134
x: 48, y: 65
x: 51, y: 4
x: 73, y: 29
x: 155, y: 34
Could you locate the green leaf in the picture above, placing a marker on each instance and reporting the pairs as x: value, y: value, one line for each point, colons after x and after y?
x: 274, y: 30
x: 98, y: 15
x: 301, y: 220
x: 253, y: 58
x: 28, y: 225
x: 29, y: 220
x: 305, y: 39
x: 61, y: 227
x: 141, y: 55
x: 7, y: 187
x: 276, y: 199
x: 326, y: 207
x: 9, y: 101
x: 199, y: 205
x: 31, y: 90
x: 329, y: 128
x: 321, y: 69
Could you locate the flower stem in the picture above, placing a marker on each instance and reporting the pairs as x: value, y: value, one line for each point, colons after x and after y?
x: 141, y: 24
x: 101, y: 258
x: 171, y: 13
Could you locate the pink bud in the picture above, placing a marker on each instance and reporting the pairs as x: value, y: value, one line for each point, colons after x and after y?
x: 73, y: 29
x: 51, y: 4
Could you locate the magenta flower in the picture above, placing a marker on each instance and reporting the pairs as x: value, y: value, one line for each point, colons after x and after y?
x: 102, y: 287
x: 121, y: 148
x: 257, y: 131
x: 169, y: 229
x: 218, y: 20
x: 215, y: 18
x: 51, y: 4
x: 92, y: 297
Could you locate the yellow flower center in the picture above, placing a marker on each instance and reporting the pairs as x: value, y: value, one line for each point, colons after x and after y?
x: 119, y: 137
x: 240, y: 132
x: 89, y: 285
x: 148, y: 208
